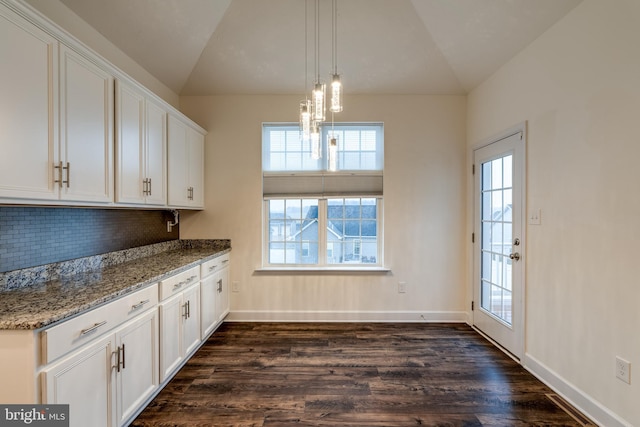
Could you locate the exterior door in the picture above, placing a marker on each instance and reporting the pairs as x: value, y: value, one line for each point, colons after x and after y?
x: 499, y: 243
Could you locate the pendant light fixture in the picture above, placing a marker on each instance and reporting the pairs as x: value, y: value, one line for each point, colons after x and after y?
x: 318, y: 96
x: 313, y: 111
x: 305, y: 105
x: 336, y: 85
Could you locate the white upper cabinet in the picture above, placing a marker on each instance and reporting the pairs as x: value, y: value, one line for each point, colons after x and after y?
x: 69, y: 136
x: 141, y: 146
x: 186, y: 165
x: 85, y: 170
x: 28, y: 111
x: 56, y: 119
x: 156, y: 153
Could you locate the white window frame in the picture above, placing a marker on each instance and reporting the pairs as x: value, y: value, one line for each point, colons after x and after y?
x: 323, y: 243
x: 317, y: 182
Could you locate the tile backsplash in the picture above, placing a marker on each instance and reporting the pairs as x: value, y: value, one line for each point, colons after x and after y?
x: 32, y: 236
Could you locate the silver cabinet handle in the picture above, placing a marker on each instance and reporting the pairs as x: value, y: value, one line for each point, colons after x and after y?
x: 140, y: 304
x: 178, y: 285
x: 219, y: 285
x: 119, y: 359
x: 93, y: 328
x: 68, y: 181
x: 224, y: 261
x: 59, y: 180
x: 149, y: 186
x: 213, y: 267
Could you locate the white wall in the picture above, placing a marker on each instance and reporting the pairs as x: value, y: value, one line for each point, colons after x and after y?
x: 424, y: 210
x: 74, y: 25
x: 578, y: 86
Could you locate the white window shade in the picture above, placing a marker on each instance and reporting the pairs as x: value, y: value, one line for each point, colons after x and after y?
x: 326, y: 184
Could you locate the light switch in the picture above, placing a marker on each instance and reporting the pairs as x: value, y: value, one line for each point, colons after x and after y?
x: 535, y: 216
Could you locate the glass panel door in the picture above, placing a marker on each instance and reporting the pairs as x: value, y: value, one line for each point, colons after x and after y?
x: 497, y: 231
x: 498, y: 269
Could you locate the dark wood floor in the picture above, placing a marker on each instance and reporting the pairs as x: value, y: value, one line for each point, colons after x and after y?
x: 353, y: 374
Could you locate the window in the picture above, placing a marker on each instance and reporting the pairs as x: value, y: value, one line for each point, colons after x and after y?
x: 320, y: 218
x: 360, y: 148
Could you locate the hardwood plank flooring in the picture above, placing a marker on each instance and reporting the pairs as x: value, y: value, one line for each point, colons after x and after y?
x: 351, y: 374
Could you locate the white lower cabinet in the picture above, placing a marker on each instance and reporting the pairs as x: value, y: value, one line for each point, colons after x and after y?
x: 105, y: 381
x: 108, y: 362
x: 179, y: 328
x: 137, y: 378
x: 222, y: 300
x: 85, y: 381
x: 214, y: 293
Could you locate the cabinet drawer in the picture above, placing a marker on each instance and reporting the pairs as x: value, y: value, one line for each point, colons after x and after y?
x: 60, y: 339
x: 177, y: 283
x: 209, y: 267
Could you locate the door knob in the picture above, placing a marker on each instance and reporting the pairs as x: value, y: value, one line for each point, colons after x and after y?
x: 515, y: 256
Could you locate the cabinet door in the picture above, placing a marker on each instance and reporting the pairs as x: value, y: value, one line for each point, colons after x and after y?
x: 191, y: 299
x: 84, y: 380
x: 86, y: 129
x: 129, y: 144
x: 171, y: 354
x: 177, y: 173
x: 28, y: 106
x: 222, y: 288
x: 137, y: 377
x: 196, y: 168
x: 208, y: 314
x: 156, y: 149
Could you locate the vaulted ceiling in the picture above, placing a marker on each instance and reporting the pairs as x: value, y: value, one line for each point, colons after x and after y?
x: 207, y: 47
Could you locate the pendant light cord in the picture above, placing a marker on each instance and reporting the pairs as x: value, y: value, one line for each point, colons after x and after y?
x: 334, y: 23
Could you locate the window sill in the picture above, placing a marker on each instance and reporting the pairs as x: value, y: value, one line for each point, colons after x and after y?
x: 328, y: 270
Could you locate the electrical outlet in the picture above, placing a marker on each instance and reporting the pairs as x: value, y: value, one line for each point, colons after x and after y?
x: 623, y: 370
x: 235, y: 286
x: 402, y: 287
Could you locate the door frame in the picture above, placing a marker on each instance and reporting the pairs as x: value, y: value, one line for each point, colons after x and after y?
x: 521, y: 167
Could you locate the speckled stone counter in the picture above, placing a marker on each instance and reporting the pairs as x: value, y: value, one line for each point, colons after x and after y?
x: 35, y: 298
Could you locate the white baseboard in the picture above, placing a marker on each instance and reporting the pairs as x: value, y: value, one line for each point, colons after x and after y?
x: 348, y: 316
x: 569, y: 392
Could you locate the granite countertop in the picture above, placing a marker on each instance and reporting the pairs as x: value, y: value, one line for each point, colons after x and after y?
x: 42, y: 304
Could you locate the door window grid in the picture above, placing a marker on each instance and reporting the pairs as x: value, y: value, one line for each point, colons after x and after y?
x: 496, y: 209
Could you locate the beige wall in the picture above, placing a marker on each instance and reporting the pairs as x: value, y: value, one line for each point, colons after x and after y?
x: 70, y: 22
x: 578, y: 86
x: 424, y: 209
